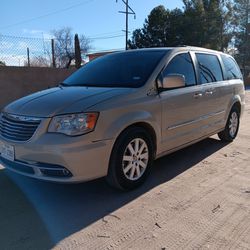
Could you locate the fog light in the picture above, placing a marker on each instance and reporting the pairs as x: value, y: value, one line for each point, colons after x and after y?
x: 56, y: 172
x: 66, y: 172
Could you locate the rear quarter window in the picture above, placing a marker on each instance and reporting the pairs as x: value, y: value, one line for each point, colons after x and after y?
x: 232, y: 70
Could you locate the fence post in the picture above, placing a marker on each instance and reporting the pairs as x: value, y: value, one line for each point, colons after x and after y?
x: 28, y: 56
x: 53, y: 53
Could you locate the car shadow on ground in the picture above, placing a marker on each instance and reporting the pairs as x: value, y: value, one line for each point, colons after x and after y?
x: 66, y: 209
x: 21, y: 225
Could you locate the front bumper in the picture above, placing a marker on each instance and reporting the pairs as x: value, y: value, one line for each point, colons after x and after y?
x: 60, y: 158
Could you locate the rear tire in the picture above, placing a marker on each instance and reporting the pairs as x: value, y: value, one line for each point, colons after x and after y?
x: 231, y: 130
x: 131, y: 159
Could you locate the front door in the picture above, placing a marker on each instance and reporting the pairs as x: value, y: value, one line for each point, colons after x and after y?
x: 182, y: 108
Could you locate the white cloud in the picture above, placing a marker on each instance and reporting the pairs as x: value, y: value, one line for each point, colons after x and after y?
x: 37, y: 33
x: 32, y: 32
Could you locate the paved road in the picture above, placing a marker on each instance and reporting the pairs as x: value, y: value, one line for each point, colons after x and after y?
x: 198, y: 197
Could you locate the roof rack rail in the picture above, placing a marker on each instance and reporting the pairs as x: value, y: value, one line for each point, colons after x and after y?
x: 183, y: 45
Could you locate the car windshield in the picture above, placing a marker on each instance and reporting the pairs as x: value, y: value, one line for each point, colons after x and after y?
x: 120, y: 69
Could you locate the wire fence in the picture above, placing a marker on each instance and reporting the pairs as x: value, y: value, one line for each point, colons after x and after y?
x: 41, y: 52
x: 23, y: 51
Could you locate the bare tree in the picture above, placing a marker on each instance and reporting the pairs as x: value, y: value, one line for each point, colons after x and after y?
x: 64, y: 46
x: 85, y: 44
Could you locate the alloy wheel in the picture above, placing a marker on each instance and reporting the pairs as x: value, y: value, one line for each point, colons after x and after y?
x: 233, y: 124
x: 135, y: 159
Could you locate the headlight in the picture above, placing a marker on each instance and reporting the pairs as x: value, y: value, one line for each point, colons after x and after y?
x: 73, y: 124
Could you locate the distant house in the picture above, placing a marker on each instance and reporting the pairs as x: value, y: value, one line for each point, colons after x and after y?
x: 94, y: 55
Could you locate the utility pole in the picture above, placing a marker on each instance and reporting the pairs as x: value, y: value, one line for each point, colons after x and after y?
x: 126, y: 24
x: 53, y: 53
x: 129, y: 11
x: 28, y: 56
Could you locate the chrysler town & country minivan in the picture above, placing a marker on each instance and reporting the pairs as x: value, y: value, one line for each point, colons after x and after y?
x: 118, y: 113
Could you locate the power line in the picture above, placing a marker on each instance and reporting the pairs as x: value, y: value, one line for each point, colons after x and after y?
x: 46, y: 15
x: 105, y: 37
x: 106, y: 33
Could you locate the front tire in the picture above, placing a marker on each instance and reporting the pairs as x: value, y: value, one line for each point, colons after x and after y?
x: 131, y: 159
x: 231, y: 130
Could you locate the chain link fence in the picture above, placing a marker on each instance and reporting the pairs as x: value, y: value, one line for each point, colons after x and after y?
x: 23, y: 51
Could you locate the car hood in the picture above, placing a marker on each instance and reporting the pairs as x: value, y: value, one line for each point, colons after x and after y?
x: 62, y: 100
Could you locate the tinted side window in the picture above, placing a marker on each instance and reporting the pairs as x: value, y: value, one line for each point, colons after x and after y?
x: 181, y: 64
x: 231, y: 68
x: 210, y: 69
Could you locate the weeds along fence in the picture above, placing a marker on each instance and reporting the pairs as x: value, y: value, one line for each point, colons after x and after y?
x: 23, y: 51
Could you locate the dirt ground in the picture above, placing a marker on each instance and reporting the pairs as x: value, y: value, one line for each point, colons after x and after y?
x: 197, y: 198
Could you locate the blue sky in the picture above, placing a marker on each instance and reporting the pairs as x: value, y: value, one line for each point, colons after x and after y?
x: 94, y: 18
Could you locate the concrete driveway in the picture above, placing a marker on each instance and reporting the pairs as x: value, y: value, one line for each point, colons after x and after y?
x: 198, y: 197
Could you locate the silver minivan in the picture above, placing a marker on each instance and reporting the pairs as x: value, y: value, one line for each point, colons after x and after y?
x: 118, y: 113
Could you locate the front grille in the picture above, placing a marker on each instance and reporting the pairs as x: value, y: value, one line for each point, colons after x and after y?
x: 17, y: 128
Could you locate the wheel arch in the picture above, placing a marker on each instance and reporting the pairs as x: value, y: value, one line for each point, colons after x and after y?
x: 147, y: 127
x: 112, y: 177
x: 235, y: 102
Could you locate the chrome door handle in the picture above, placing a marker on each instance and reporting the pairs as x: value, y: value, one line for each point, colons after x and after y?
x: 197, y: 95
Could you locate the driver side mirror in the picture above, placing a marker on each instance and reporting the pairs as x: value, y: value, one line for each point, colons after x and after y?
x: 172, y: 81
